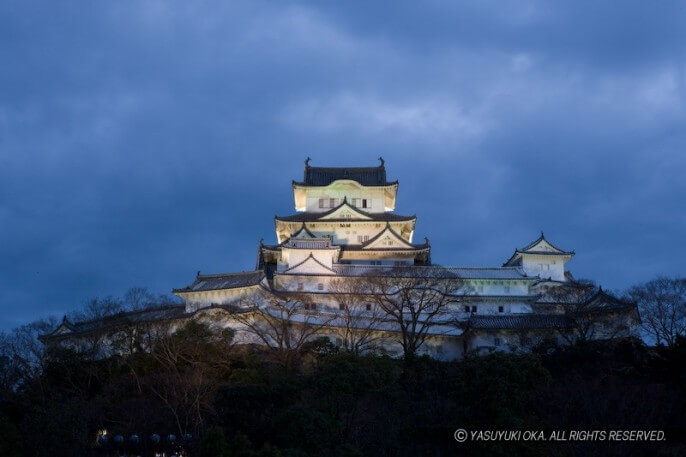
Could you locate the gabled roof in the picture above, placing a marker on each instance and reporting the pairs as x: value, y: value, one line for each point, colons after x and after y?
x: 392, y: 235
x: 303, y: 232
x: 65, y: 327
x: 345, y: 211
x: 326, y: 216
x: 540, y: 246
x: 223, y: 281
x: 366, y: 176
x: 312, y: 261
x: 599, y: 300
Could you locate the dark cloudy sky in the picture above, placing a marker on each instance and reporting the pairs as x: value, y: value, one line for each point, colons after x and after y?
x: 143, y: 141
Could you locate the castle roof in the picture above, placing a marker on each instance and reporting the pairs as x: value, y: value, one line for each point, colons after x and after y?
x: 522, y: 321
x: 495, y: 273
x: 157, y: 314
x: 366, y: 176
x: 316, y: 217
x: 540, y: 246
x: 223, y: 281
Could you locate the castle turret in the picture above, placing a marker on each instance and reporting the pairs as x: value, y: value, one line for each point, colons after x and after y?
x: 541, y: 258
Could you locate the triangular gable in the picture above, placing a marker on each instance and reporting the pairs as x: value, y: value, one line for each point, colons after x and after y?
x: 345, y: 211
x: 542, y: 245
x: 62, y: 329
x: 303, y: 233
x: 602, y: 300
x: 310, y: 266
x: 387, y: 239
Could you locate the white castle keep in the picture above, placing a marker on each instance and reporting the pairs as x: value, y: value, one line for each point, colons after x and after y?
x: 340, y: 260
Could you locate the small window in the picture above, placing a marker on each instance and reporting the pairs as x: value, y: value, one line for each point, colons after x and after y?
x: 473, y: 309
x: 507, y: 289
x: 332, y: 203
x: 368, y: 306
x: 341, y: 306
x: 355, y: 200
x: 364, y: 203
x: 466, y: 308
x: 321, y: 203
x: 359, y: 238
x: 300, y: 286
x: 320, y: 286
x: 365, y: 238
x: 501, y: 309
x: 496, y: 341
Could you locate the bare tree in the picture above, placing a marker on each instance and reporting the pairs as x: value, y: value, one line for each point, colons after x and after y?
x: 24, y: 348
x: 415, y: 299
x: 188, y: 366
x: 98, y: 308
x: 579, y: 323
x: 662, y: 305
x: 138, y: 298
x: 359, y: 321
x: 589, y: 313
x: 283, y: 322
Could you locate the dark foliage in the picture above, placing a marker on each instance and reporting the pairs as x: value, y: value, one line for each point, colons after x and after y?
x: 341, y: 404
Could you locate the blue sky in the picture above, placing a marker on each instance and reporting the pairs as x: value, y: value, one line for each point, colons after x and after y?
x: 143, y: 141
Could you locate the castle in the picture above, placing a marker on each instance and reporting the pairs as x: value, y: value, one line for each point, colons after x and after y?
x: 339, y: 264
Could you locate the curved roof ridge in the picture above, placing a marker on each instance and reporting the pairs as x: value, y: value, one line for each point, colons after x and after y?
x: 303, y: 227
x: 121, y: 314
x: 538, y: 240
x: 311, y: 256
x: 319, y: 216
x: 390, y: 229
x: 219, y: 275
x: 366, y: 176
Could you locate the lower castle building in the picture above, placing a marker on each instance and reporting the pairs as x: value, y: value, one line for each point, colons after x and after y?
x: 346, y: 268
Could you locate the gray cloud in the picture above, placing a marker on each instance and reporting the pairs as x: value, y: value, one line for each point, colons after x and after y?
x: 140, y: 142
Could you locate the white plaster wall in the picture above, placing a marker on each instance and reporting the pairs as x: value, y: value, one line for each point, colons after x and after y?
x: 497, y: 287
x: 545, y: 266
x: 197, y: 300
x: 489, y: 308
x: 443, y: 348
x: 374, y: 196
